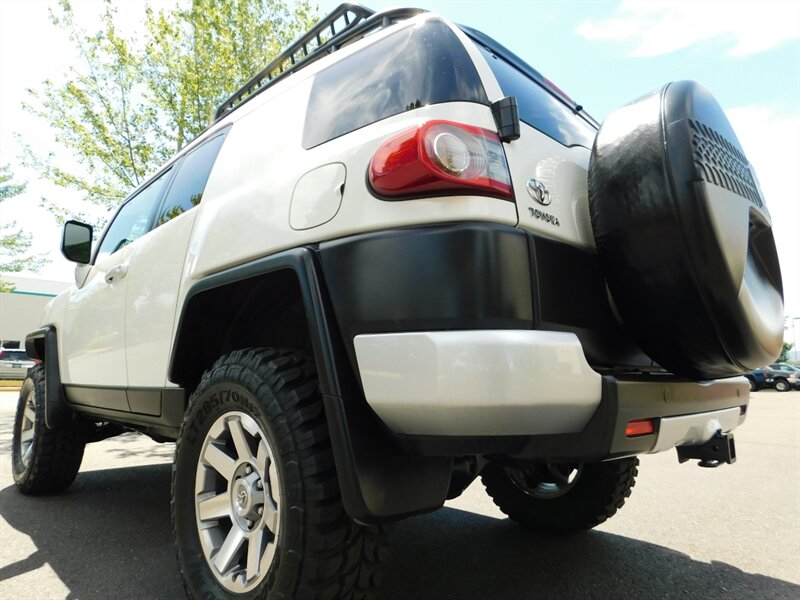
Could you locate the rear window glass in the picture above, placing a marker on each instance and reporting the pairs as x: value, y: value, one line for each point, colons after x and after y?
x: 415, y: 67
x: 538, y: 107
x: 14, y: 355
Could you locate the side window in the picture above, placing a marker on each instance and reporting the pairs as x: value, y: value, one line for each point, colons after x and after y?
x: 186, y: 190
x: 133, y: 219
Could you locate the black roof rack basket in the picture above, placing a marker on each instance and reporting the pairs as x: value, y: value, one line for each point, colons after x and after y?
x: 344, y: 23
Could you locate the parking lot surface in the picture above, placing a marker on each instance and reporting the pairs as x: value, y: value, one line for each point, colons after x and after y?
x: 686, y: 532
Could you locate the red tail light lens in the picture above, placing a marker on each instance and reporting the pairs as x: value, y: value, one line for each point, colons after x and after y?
x: 441, y: 158
x: 640, y: 427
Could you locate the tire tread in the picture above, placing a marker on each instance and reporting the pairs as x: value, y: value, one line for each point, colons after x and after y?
x: 338, y: 558
x: 597, y: 498
x: 57, y: 453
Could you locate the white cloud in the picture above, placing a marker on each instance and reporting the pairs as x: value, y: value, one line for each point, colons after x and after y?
x: 660, y: 27
x: 771, y: 141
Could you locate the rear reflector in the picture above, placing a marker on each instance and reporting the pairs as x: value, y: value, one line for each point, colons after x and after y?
x: 640, y: 427
x: 441, y: 158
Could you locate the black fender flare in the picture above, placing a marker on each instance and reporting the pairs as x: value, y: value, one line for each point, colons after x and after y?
x: 378, y: 480
x: 43, y: 344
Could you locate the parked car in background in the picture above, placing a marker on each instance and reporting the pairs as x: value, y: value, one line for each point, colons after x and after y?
x: 758, y: 379
x: 770, y: 377
x: 14, y: 364
x: 792, y: 373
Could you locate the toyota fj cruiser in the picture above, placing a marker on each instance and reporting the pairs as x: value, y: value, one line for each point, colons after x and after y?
x: 400, y: 259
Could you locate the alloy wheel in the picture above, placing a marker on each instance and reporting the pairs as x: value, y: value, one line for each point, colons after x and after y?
x: 237, y: 502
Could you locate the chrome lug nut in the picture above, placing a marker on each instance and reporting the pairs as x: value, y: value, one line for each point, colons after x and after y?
x: 248, y: 469
x: 260, y: 510
x: 260, y: 484
x: 248, y: 522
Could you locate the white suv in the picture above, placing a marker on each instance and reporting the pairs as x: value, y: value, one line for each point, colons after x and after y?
x: 399, y: 259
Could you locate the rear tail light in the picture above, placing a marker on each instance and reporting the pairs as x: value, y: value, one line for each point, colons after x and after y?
x: 441, y: 158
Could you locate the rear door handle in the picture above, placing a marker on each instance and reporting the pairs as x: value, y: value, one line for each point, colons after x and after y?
x: 117, y: 273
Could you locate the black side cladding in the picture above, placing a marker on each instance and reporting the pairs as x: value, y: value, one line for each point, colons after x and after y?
x: 683, y: 235
x: 458, y: 276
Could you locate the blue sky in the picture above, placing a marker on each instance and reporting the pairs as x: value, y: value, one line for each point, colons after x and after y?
x: 603, y: 54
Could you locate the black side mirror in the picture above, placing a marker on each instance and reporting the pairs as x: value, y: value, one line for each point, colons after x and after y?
x: 76, y: 243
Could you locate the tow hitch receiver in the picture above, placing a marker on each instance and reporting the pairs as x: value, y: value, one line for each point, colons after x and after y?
x: 719, y: 449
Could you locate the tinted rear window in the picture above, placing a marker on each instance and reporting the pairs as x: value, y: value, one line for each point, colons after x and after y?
x: 539, y: 108
x: 14, y: 355
x: 414, y: 67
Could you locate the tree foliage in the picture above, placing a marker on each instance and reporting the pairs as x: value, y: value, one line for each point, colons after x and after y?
x: 14, y: 244
x: 784, y: 355
x: 132, y: 103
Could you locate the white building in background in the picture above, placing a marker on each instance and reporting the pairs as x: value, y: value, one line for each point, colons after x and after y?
x: 21, y: 308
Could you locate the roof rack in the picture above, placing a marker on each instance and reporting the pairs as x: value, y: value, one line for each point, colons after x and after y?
x: 351, y: 19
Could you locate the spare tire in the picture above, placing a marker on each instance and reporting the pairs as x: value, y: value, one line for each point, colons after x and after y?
x: 684, y: 236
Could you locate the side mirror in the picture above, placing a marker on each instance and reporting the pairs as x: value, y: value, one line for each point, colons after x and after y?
x: 76, y: 243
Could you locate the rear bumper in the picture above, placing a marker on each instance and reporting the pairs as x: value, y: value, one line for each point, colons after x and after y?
x: 478, y: 382
x: 531, y: 394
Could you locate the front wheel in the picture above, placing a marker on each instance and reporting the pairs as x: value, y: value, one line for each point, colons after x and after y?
x: 256, y: 507
x: 43, y: 460
x: 782, y: 385
x: 561, y: 498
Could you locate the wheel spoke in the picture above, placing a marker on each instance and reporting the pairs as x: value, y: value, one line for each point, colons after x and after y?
x: 239, y: 440
x: 274, y: 484
x: 30, y: 414
x: 262, y: 457
x: 26, y: 435
x: 254, y: 552
x: 271, y: 516
x: 215, y: 507
x: 219, y: 461
x: 227, y: 553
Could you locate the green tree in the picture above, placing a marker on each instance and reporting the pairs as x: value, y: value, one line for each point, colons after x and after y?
x: 132, y: 103
x: 14, y: 244
x: 784, y: 355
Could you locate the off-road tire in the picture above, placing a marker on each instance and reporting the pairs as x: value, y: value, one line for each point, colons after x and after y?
x: 321, y: 552
x: 55, y: 454
x: 596, y: 496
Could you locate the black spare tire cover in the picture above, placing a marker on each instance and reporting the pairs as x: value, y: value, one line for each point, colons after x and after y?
x: 684, y: 236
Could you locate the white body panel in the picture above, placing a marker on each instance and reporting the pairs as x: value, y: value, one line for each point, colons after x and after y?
x: 151, y: 301
x: 478, y: 382
x: 92, y: 335
x: 251, y: 194
x: 693, y: 430
x: 564, y: 172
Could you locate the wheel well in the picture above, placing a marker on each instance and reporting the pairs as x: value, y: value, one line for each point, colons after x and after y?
x: 34, y: 344
x: 265, y: 310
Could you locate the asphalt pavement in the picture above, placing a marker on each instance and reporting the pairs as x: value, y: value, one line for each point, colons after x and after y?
x: 686, y: 532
